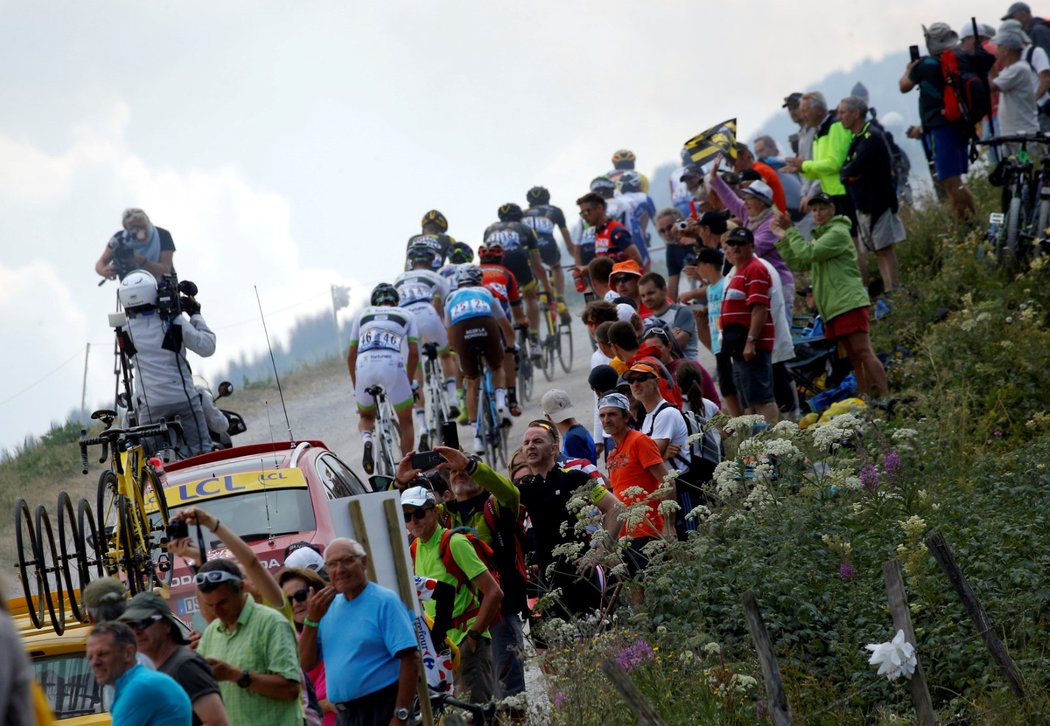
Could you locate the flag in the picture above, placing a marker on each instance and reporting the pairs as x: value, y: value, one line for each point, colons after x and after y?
x: 716, y: 140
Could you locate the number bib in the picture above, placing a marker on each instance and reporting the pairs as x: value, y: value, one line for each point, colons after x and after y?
x: 375, y: 339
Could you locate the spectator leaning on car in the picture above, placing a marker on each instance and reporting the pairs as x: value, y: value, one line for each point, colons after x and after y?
x: 364, y: 633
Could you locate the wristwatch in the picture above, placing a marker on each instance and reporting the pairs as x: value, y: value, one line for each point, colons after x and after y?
x: 402, y: 714
x: 751, y: 339
x: 245, y: 680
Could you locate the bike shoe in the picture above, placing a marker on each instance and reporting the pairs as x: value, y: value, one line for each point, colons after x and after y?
x: 453, y: 412
x: 514, y: 408
x: 563, y: 312
x: 479, y: 445
x: 366, y: 461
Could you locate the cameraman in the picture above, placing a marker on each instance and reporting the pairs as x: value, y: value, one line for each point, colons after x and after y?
x: 140, y: 246
x: 155, y: 338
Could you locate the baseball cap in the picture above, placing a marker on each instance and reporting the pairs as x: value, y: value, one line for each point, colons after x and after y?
x: 792, y: 100
x: 741, y: 236
x: 556, y: 404
x: 759, y: 190
x: 822, y: 198
x: 305, y: 558
x: 103, y: 591
x: 1010, y: 40
x: 627, y: 267
x: 642, y: 367
x: 714, y: 221
x: 418, y: 497
x: 983, y: 30
x: 614, y: 400
x: 602, y: 377
x: 624, y: 312
x: 692, y: 170
x: 1016, y: 8
x: 147, y: 604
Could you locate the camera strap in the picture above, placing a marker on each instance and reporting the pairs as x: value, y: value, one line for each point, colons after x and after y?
x: 200, y: 544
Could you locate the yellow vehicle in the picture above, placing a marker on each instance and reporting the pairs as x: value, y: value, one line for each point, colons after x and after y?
x: 61, y: 668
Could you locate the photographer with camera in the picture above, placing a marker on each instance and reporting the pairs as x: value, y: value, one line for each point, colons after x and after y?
x: 163, y: 321
x: 139, y: 246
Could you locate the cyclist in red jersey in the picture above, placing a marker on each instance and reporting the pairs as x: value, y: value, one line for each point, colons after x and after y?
x: 504, y: 286
x: 611, y: 239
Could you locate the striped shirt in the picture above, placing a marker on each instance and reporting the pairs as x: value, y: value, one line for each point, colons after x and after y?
x: 748, y: 286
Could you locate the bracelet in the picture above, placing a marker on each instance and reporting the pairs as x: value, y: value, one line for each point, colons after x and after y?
x: 216, y: 527
x: 310, y: 623
x: 472, y: 466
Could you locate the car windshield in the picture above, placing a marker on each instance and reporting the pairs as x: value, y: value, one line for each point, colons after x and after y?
x: 258, y: 514
x: 69, y: 685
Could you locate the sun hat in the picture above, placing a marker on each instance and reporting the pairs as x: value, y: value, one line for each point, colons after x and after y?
x: 940, y: 37
x: 760, y: 191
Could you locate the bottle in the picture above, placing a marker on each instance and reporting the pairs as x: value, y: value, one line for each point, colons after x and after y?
x: 577, y: 278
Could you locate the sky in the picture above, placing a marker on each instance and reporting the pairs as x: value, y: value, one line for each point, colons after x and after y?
x: 292, y: 146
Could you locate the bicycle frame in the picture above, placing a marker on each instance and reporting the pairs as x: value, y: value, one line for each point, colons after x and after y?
x: 386, y: 461
x: 436, y: 408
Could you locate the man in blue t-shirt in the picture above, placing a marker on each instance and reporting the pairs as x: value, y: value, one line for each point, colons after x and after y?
x: 364, y: 635
x: 142, y: 697
x: 576, y: 441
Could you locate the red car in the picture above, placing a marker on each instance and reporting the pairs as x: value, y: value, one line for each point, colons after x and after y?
x: 270, y: 494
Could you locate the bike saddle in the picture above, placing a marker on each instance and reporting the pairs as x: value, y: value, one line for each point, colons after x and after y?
x: 430, y: 349
x: 374, y: 390
x: 105, y: 416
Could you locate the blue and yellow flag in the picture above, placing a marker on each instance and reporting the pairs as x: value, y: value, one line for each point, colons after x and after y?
x: 718, y: 139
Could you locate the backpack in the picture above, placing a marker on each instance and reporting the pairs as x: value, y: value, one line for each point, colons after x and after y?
x: 484, y: 553
x: 707, y: 448
x: 966, y: 98
x: 510, y: 537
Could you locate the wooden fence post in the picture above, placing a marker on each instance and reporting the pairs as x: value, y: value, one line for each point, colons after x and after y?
x: 775, y: 696
x: 644, y: 710
x: 920, y: 693
x: 941, y: 552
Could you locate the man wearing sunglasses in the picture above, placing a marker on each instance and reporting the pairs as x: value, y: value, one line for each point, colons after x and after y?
x: 364, y: 633
x: 251, y: 649
x: 160, y: 636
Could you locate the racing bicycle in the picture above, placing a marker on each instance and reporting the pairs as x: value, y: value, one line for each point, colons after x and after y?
x: 526, y: 369
x: 1020, y: 229
x: 490, y: 427
x: 387, y: 436
x: 558, y: 340
x: 131, y: 507
x: 436, y: 408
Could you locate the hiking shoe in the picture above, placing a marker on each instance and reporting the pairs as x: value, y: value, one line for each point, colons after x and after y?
x: 366, y: 461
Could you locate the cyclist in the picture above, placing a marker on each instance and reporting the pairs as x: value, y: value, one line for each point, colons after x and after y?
x: 475, y: 319
x: 640, y: 211
x: 521, y: 256
x: 422, y: 291
x: 543, y: 217
x: 435, y: 235
x: 459, y: 254
x: 384, y: 346
x: 501, y: 283
x: 623, y: 161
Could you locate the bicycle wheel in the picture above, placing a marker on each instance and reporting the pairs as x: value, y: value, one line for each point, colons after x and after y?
x: 565, y: 347
x: 486, y: 410
x: 88, y: 541
x: 50, y: 570
x: 74, y: 563
x: 28, y: 559
x: 1042, y: 222
x: 152, y: 513
x: 1013, y: 223
x: 548, y: 356
x: 131, y: 558
x: 107, y: 521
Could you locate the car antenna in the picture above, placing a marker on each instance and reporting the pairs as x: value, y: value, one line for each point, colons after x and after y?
x: 273, y: 362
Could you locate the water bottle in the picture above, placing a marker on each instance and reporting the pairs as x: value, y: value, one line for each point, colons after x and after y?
x: 577, y: 279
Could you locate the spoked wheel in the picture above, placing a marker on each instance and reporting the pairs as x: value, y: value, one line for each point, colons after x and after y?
x: 132, y: 557
x: 107, y: 521
x: 88, y: 542
x: 74, y: 560
x: 486, y: 412
x: 28, y: 560
x: 565, y: 347
x: 525, y: 378
x: 1008, y: 251
x: 548, y: 346
x: 153, y: 518
x: 49, y: 568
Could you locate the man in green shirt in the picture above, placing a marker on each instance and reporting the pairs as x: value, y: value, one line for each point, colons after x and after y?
x: 251, y: 649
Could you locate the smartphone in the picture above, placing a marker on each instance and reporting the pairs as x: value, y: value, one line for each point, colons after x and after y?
x: 426, y: 460
x: 450, y: 435
x: 177, y: 529
x: 913, y: 51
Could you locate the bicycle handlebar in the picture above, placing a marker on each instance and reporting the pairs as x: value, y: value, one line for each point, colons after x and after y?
x: 110, y: 437
x: 1038, y: 137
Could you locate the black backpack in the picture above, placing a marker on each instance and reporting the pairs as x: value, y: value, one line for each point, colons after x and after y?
x: 707, y: 448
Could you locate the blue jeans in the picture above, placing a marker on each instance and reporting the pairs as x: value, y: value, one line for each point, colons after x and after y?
x: 508, y: 655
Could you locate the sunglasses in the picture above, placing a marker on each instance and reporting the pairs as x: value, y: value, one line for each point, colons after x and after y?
x: 419, y: 515
x: 300, y: 595
x: 617, y: 279
x: 640, y: 378
x: 141, y: 625
x: 585, y: 211
x: 214, y: 577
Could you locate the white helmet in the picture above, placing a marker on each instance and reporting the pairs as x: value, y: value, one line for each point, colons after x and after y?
x: 138, y: 289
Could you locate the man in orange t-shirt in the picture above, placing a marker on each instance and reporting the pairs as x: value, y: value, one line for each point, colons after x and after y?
x: 635, y: 462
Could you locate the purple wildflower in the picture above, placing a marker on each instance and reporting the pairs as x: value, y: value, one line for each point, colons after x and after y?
x: 869, y: 477
x: 761, y: 712
x: 847, y: 571
x: 634, y: 655
x: 891, y: 462
x: 559, y: 699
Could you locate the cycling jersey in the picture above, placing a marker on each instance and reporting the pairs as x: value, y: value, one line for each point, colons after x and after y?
x: 501, y: 282
x: 384, y: 329
x: 448, y: 274
x: 420, y: 286
x: 471, y: 302
x: 615, y: 175
x: 518, y: 242
x: 640, y: 210
x: 544, y: 219
x: 611, y: 240
x: 437, y: 242
x: 585, y: 242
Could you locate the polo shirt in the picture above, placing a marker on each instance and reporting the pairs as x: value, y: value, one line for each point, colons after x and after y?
x: 144, y: 697
x: 261, y: 642
x: 359, y: 641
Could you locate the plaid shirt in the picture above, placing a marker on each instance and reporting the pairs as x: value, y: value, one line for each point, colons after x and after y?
x: 261, y: 642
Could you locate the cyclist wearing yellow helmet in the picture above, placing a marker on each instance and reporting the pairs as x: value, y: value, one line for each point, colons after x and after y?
x: 434, y: 234
x: 623, y: 160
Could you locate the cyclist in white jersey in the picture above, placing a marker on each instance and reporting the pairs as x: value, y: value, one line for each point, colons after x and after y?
x: 423, y: 291
x: 459, y: 254
x: 384, y: 346
x: 640, y: 209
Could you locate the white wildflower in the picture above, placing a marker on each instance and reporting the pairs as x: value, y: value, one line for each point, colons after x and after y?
x: 913, y: 526
x: 632, y: 492
x: 712, y: 648
x: 743, y: 423
x: 700, y: 512
x: 758, y: 498
x: 742, y: 683
x: 895, y: 658
x: 668, y: 507
x: 785, y: 427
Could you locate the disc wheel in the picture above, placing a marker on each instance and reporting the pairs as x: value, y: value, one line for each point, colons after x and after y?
x: 28, y: 558
x: 107, y: 522
x: 49, y: 567
x: 88, y: 541
x: 565, y: 347
x: 74, y: 560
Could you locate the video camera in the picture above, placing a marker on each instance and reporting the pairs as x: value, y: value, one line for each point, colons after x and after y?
x: 123, y: 248
x: 174, y: 297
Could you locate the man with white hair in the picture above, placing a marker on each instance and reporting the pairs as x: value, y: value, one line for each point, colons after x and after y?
x: 364, y: 633
x: 1036, y: 28
x: 1016, y: 83
x: 138, y: 246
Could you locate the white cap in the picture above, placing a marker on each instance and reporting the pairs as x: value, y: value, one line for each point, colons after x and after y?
x: 305, y: 558
x: 418, y: 497
x: 556, y: 404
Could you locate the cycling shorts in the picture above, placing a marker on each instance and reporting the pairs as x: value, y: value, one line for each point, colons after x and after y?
x: 549, y: 252
x: 517, y: 261
x: 430, y: 325
x: 476, y: 334
x: 386, y: 369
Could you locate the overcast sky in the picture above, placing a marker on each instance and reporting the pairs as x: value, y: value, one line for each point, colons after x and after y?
x: 293, y: 145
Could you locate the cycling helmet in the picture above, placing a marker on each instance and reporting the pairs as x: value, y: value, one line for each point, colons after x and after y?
x: 538, y: 195
x: 510, y: 212
x: 435, y: 218
x: 623, y: 159
x: 460, y: 253
x: 385, y: 294
x: 138, y: 289
x: 420, y: 251
x: 491, y: 252
x: 602, y: 183
x: 469, y: 276
x: 630, y: 181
